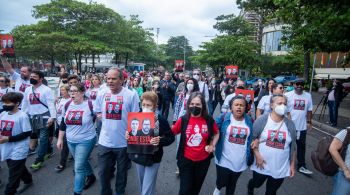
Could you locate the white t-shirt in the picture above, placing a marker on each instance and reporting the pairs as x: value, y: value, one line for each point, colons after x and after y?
x: 79, y: 122
x: 341, y: 136
x: 183, y: 106
x: 264, y: 104
x: 115, y: 109
x: 275, y: 150
x: 3, y: 92
x: 203, y: 88
x: 92, y: 94
x: 60, y: 108
x: 33, y: 107
x: 298, y: 106
x: 235, y: 145
x: 12, y: 125
x: 20, y: 85
x: 331, y: 95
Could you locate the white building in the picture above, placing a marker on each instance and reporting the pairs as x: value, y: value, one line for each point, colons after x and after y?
x: 271, y: 40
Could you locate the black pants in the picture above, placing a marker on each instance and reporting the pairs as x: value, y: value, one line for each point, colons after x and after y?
x: 64, y: 152
x: 17, y: 172
x: 226, y: 178
x: 272, y: 185
x: 165, y: 108
x: 301, y: 147
x: 192, y: 175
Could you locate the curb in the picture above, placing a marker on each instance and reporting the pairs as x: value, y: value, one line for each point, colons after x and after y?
x: 325, y: 127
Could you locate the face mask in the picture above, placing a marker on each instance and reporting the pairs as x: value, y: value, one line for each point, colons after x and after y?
x: 8, y: 107
x: 259, y: 83
x: 190, y: 87
x: 144, y: 109
x: 281, y: 109
x: 213, y: 82
x: 195, y: 110
x: 156, y: 86
x: 196, y: 77
x: 33, y: 81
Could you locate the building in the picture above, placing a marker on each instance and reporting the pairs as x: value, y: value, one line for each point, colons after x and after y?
x: 255, y: 20
x: 271, y: 40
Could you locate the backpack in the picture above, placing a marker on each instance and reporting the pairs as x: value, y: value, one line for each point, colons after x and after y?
x: 90, y: 107
x: 322, y: 158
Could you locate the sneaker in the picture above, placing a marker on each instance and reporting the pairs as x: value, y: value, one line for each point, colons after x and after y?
x: 59, y: 168
x: 36, y: 165
x: 31, y: 152
x: 305, y: 171
x: 90, y: 179
x: 48, y: 155
x: 177, y: 172
x: 24, y: 187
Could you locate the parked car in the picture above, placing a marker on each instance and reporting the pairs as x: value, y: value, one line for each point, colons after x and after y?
x: 254, y: 80
x: 283, y: 78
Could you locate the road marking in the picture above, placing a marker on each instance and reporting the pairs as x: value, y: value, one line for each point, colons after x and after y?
x: 317, y: 129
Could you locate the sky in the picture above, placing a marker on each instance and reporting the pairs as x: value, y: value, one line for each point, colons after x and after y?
x: 193, y: 19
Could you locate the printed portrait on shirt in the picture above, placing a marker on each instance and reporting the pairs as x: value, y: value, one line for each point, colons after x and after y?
x: 276, y: 140
x: 238, y: 135
x: 196, y: 138
x: 23, y: 87
x: 33, y: 100
x: 74, y: 118
x: 247, y: 94
x: 93, y: 95
x: 114, y: 110
x: 141, y: 131
x: 6, y: 127
x: 299, y: 104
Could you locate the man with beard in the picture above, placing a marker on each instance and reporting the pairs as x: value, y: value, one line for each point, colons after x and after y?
x: 301, y: 115
x: 146, y: 128
x: 22, y: 80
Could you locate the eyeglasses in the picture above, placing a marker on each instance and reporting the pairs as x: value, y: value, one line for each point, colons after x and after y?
x: 73, y: 91
x: 2, y: 81
x: 299, y: 84
x: 280, y: 88
x: 196, y: 74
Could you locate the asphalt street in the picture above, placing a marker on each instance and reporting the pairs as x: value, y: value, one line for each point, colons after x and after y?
x: 48, y: 182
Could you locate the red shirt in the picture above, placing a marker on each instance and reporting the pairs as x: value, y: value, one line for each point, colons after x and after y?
x: 197, y: 134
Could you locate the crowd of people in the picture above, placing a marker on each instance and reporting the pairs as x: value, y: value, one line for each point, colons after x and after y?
x: 266, y: 134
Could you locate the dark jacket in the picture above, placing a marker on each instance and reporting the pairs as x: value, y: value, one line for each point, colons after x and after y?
x: 169, y: 91
x: 338, y: 93
x: 215, y: 93
x: 167, y: 138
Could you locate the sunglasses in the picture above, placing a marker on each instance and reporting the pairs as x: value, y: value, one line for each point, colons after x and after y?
x: 280, y: 88
x: 196, y: 74
x: 2, y: 81
x: 299, y: 84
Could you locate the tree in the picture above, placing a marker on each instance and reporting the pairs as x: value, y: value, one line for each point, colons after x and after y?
x: 232, y: 25
x: 176, y: 49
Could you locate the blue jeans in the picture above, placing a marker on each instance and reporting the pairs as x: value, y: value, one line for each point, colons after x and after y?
x: 107, y: 157
x: 43, y: 141
x: 341, y: 184
x: 81, y: 153
x: 333, y: 112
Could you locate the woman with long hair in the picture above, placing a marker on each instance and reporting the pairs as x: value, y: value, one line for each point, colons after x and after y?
x: 199, y: 135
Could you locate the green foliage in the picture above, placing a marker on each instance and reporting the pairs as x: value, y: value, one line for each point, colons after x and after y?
x: 175, y: 49
x: 232, y: 25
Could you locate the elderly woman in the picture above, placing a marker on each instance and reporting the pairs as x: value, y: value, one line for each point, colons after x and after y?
x: 147, y: 165
x: 199, y: 135
x: 274, y: 147
x: 233, y: 148
x: 78, y: 126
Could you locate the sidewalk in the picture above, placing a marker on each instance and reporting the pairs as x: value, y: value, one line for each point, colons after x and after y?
x: 320, y: 121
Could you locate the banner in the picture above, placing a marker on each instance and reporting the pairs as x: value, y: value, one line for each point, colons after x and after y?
x: 179, y: 65
x: 141, y: 131
x: 7, y: 45
x: 248, y: 95
x: 231, y: 71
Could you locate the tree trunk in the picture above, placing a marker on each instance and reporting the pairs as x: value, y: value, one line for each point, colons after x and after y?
x: 116, y: 57
x: 52, y: 64
x: 126, y: 59
x: 306, y: 65
x: 79, y: 63
x: 93, y: 61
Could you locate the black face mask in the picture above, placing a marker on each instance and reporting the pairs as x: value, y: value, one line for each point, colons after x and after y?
x: 64, y: 81
x: 8, y: 107
x: 240, y: 87
x: 33, y: 81
x: 195, y: 110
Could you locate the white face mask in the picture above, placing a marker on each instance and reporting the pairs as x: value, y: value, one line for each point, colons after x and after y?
x: 190, y: 87
x: 144, y: 109
x: 156, y: 86
x: 196, y: 77
x: 213, y: 82
x: 281, y: 109
x: 260, y: 83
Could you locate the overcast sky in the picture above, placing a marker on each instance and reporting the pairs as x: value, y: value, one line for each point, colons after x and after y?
x: 192, y: 18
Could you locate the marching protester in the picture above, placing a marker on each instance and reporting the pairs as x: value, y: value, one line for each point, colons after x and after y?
x: 113, y: 106
x: 342, y: 178
x: 274, y: 138
x: 136, y: 86
x: 14, y: 141
x: 21, y: 80
x: 61, y: 102
x: 78, y: 126
x: 335, y: 95
x: 264, y: 103
x: 39, y: 103
x: 232, y: 152
x: 239, y: 85
x: 199, y: 135
x: 168, y: 91
x: 156, y: 90
x: 214, y: 95
x: 147, y: 165
x: 300, y: 108
x: 203, y: 87
x: 4, y: 89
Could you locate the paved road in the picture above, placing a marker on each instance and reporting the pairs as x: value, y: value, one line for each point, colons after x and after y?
x: 48, y: 182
